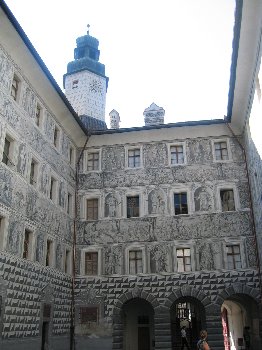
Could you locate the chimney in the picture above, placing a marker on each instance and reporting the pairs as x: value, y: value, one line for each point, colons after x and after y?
x: 154, y: 115
x: 114, y: 119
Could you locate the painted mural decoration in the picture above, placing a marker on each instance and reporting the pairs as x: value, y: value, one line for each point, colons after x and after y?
x: 159, y: 258
x: 156, y: 202
x: 203, y: 199
x: 6, y: 71
x: 113, y: 259
x: 28, y: 102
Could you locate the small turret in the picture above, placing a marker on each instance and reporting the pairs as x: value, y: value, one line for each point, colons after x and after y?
x: 114, y: 119
x: 154, y: 115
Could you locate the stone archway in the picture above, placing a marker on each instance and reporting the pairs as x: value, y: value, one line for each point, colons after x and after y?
x: 160, y: 319
x: 242, y: 306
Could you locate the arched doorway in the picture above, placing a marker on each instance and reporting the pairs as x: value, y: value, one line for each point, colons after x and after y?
x: 188, y: 312
x: 240, y: 315
x: 138, y: 319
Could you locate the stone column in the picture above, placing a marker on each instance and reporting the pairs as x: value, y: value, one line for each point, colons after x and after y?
x: 214, y: 327
x: 162, y: 329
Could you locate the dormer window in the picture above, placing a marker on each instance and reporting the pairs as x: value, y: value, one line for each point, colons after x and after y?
x: 75, y: 84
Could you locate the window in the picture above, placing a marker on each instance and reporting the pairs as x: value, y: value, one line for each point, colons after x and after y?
x: 56, y: 137
x: 53, y: 187
x: 135, y: 262
x: 88, y: 314
x: 134, y: 158
x: 221, y: 151
x: 92, y: 209
x: 15, y: 88
x: 177, y: 154
x: 132, y: 205
x: 2, y: 232
x: 180, y: 203
x: 91, y: 263
x: 227, y: 200
x: 27, y: 246
x: 8, y: 151
x: 183, y: 259
x: 71, y: 155
x: 233, y: 257
x: 33, y: 172
x: 67, y: 261
x: 75, y: 84
x: 93, y: 161
x: 49, y: 253
x: 69, y: 203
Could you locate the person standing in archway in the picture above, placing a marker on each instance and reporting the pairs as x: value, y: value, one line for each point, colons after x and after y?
x: 184, y: 338
x: 202, y: 343
x: 246, y: 336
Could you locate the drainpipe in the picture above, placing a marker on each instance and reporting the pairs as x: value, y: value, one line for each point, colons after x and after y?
x: 72, y: 325
x: 251, y: 207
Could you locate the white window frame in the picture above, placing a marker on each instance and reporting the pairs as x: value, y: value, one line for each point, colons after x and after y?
x: 69, y: 207
x: 141, y: 203
x: 31, y: 255
x: 226, y: 140
x: 54, y: 198
x: 86, y: 153
x: 227, y: 186
x: 183, y: 144
x: 73, y: 158
x: 137, y: 247
x: 67, y: 261
x: 240, y: 242
x: 3, y: 229
x: 13, y: 151
x: 84, y: 206
x: 93, y: 249
x: 131, y: 148
x: 184, y: 245
x: 33, y: 157
x: 177, y: 190
x: 52, y: 262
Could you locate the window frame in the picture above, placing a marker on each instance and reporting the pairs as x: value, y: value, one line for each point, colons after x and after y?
x: 93, y: 249
x: 233, y: 242
x: 71, y: 155
x: 57, y: 136
x: 226, y: 140
x: 184, y: 245
x: 227, y: 186
x: 12, y: 154
x: 86, y: 154
x: 133, y: 194
x: 86, y: 207
x: 52, y: 252
x: 53, y: 191
x: 179, y: 190
x: 69, y: 206
x: 135, y: 247
x: 67, y: 266
x: 132, y: 148
x: 34, y: 159
x: 31, y: 244
x: 4, y: 215
x: 180, y: 144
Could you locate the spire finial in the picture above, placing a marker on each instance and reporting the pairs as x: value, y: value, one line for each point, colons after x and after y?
x: 88, y: 26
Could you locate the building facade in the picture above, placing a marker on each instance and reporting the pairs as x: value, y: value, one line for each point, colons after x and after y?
x: 116, y: 238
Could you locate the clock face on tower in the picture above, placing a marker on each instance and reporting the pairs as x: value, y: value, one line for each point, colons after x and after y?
x: 95, y: 86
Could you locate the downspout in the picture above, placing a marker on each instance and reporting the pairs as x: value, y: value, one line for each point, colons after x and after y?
x: 251, y: 207
x: 72, y: 326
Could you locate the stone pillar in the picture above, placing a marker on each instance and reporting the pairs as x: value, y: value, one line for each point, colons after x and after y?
x: 118, y: 332
x: 162, y: 329
x: 214, y: 327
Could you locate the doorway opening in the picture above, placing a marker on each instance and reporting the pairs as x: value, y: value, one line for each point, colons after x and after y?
x: 240, y: 321
x: 45, y: 326
x: 188, y: 312
x: 138, y: 317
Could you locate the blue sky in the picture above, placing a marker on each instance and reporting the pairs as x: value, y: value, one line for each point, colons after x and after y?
x: 176, y: 53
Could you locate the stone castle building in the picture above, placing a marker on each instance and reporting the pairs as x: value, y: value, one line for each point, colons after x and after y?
x: 116, y: 238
